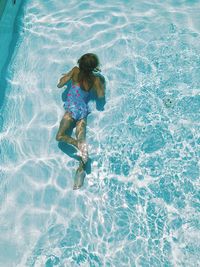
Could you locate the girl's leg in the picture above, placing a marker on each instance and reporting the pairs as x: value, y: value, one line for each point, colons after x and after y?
x: 81, y: 130
x: 65, y: 124
x: 81, y: 136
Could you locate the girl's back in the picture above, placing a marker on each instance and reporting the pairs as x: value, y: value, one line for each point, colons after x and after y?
x: 84, y: 75
x: 85, y: 84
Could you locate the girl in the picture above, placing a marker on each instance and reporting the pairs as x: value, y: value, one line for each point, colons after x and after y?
x: 84, y: 81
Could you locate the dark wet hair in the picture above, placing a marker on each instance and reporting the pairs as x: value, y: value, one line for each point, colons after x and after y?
x: 87, y: 64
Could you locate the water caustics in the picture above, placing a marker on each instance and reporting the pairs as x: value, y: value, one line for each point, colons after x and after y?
x: 140, y: 202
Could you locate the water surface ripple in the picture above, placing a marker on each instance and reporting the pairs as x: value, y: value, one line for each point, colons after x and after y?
x: 140, y: 204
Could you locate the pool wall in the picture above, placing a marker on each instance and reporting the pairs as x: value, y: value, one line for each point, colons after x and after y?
x: 2, y: 6
x: 8, y: 38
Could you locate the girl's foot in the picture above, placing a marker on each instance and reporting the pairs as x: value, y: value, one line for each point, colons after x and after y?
x: 83, y: 147
x: 79, y: 178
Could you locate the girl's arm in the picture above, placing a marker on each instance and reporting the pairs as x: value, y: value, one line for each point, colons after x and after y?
x: 100, y: 91
x: 64, y: 79
x: 100, y: 88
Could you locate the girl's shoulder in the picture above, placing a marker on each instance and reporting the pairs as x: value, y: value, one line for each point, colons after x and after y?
x: 76, y: 69
x: 99, y: 78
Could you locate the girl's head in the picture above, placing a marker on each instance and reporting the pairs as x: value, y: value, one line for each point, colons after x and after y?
x: 88, y: 62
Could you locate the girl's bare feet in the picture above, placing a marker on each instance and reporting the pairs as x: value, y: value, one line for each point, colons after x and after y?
x: 79, y: 178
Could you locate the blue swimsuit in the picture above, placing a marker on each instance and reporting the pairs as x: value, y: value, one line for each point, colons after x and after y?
x: 77, y: 102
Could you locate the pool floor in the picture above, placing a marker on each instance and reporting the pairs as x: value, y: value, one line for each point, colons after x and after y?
x: 140, y: 202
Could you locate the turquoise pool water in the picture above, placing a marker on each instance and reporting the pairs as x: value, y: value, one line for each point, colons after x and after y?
x: 140, y: 202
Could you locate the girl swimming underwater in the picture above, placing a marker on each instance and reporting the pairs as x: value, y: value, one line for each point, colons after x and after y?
x: 84, y: 81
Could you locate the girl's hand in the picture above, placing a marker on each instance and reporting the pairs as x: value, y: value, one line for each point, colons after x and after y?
x: 64, y: 79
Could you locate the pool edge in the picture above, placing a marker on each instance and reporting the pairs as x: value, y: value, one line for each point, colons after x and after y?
x: 11, y: 44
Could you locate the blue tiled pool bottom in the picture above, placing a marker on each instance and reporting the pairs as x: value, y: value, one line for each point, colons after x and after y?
x: 140, y: 203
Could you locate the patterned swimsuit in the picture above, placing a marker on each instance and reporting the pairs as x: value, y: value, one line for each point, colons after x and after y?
x: 77, y: 102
